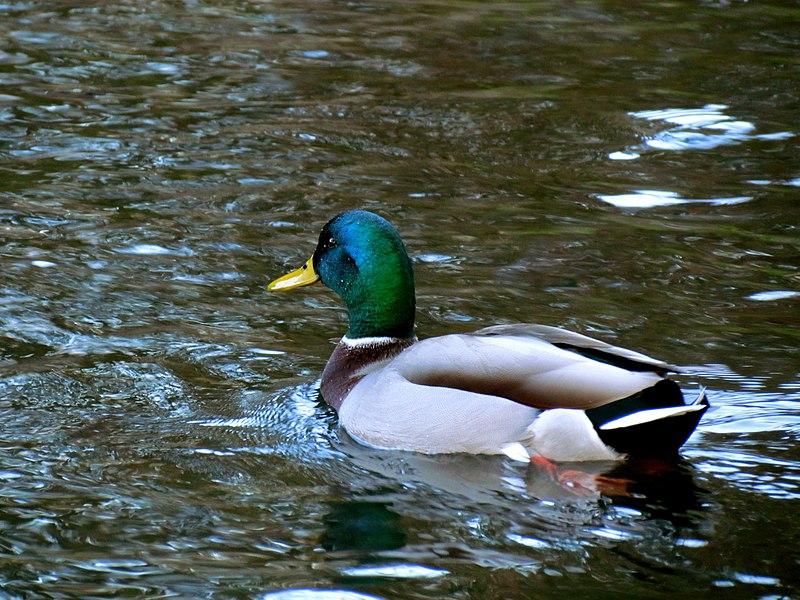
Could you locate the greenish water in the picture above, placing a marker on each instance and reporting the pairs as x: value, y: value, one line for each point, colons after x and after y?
x: 629, y: 170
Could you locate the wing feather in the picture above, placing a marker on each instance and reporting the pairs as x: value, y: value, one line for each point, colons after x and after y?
x: 585, y: 345
x: 526, y: 369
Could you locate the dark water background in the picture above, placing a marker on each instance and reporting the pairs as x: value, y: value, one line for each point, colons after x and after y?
x: 626, y: 169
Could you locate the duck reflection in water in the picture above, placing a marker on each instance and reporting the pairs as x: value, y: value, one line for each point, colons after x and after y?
x: 663, y: 484
x: 362, y: 526
x: 661, y: 499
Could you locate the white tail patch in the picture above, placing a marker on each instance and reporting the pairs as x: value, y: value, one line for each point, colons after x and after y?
x: 567, y: 434
x: 516, y: 451
x: 648, y: 416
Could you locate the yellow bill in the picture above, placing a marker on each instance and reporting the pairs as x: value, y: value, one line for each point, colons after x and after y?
x: 305, y: 275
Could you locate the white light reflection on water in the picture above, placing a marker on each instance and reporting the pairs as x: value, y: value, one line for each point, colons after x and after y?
x: 317, y: 594
x: 702, y: 128
x: 653, y: 198
x: 395, y: 571
x: 772, y: 295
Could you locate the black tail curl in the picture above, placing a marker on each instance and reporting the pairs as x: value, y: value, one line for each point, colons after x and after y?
x: 662, y: 436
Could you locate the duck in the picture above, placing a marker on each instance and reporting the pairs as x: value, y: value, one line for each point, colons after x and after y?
x: 528, y: 391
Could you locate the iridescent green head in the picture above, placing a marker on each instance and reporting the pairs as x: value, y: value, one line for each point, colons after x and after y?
x: 361, y: 257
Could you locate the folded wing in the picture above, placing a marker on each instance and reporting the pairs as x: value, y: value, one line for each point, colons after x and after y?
x: 541, y: 367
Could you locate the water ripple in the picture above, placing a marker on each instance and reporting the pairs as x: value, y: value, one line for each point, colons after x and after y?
x: 395, y: 571
x: 653, y: 198
x: 702, y: 128
x: 317, y: 594
x: 160, y: 160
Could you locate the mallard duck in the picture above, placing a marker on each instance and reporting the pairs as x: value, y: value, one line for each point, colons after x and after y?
x: 526, y: 391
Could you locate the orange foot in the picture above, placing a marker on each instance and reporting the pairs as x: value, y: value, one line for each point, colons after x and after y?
x: 582, y: 483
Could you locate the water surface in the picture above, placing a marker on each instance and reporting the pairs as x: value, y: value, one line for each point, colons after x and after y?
x: 625, y: 170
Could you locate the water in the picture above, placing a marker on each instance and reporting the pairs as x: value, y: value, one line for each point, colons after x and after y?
x: 626, y: 170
